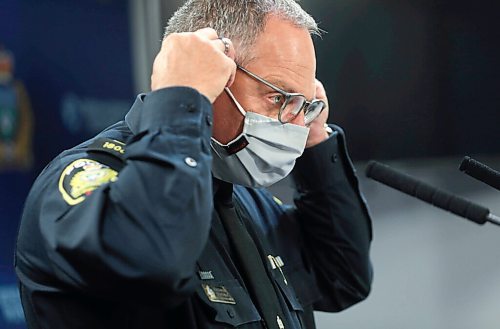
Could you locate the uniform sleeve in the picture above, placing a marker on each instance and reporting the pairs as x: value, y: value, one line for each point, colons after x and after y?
x: 335, y: 223
x: 141, y: 235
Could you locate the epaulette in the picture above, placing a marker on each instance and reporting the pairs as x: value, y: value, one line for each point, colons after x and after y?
x: 108, y: 151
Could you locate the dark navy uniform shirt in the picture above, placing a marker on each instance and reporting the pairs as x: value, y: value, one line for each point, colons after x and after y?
x: 121, y: 231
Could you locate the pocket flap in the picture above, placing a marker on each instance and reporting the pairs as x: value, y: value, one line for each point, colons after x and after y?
x: 289, y: 294
x: 229, y: 301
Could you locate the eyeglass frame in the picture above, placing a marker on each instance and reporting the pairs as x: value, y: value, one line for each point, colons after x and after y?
x: 307, y: 104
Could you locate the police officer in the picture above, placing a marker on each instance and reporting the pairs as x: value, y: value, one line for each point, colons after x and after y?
x: 160, y: 220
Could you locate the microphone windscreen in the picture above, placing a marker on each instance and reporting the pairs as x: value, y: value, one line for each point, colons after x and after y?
x: 481, y: 172
x: 425, y: 192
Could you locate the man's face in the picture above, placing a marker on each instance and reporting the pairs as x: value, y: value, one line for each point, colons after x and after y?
x: 284, y: 56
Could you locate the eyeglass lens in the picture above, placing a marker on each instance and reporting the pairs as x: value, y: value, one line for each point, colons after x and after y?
x: 296, y: 104
x: 313, y: 111
x: 292, y: 108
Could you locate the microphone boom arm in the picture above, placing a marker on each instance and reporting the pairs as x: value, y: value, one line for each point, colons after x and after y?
x: 425, y: 192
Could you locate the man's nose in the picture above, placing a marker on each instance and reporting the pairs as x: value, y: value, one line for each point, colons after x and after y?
x: 299, y: 119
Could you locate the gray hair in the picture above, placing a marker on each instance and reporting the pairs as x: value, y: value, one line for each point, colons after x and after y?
x: 240, y: 20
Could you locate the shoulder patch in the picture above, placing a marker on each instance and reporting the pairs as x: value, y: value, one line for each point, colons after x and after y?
x: 83, y: 176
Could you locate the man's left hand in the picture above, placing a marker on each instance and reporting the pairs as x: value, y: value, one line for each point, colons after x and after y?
x: 317, y: 132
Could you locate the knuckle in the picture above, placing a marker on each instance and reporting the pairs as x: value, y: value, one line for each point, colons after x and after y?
x: 172, y: 41
x: 168, y: 38
x: 172, y: 38
x: 211, y: 30
x: 195, y: 36
x: 198, y: 39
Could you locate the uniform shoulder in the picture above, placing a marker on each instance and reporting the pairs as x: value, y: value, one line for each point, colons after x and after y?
x: 79, y: 170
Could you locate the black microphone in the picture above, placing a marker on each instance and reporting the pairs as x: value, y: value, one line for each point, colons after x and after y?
x: 425, y: 192
x: 481, y: 172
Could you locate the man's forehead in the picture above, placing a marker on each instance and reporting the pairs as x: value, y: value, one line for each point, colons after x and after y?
x: 286, y: 75
x: 283, y: 40
x: 284, y: 55
x: 286, y: 78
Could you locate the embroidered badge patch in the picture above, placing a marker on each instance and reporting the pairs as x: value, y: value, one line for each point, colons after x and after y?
x: 81, y: 177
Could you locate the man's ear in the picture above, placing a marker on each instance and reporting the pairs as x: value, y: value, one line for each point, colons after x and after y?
x: 227, y: 119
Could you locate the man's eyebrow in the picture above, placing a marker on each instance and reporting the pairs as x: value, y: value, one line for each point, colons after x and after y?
x: 280, y: 84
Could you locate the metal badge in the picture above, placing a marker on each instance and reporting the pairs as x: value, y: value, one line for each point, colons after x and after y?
x: 218, y: 294
x: 277, y: 263
x: 206, y: 275
x: 280, y: 322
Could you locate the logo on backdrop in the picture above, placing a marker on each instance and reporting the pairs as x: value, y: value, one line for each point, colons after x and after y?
x: 16, y: 127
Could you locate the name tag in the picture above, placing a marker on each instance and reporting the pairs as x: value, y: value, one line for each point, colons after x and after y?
x: 218, y: 294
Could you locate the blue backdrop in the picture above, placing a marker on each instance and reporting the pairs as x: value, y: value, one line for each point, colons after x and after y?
x: 72, y: 56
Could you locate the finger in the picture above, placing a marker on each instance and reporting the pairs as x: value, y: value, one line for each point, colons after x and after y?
x: 156, y: 67
x: 320, y: 90
x: 233, y: 74
x: 208, y: 33
x: 226, y: 46
x: 231, y: 52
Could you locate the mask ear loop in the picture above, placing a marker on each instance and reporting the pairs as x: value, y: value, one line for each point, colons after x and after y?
x: 242, y: 111
x: 238, y: 106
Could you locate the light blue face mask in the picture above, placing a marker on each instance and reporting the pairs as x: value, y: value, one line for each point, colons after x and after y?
x: 263, y: 154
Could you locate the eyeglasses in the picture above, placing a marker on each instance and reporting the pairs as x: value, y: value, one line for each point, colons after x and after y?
x: 293, y: 104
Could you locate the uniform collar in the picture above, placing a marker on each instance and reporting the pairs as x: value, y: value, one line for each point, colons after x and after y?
x: 134, y: 114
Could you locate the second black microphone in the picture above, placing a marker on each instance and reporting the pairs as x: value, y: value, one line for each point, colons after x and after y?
x: 427, y: 193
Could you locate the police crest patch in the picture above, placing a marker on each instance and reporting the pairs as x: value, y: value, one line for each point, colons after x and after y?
x: 83, y: 176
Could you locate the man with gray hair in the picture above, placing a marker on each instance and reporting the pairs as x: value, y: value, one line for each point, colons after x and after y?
x: 160, y: 221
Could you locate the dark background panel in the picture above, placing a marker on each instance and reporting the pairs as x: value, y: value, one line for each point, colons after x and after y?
x: 412, y: 78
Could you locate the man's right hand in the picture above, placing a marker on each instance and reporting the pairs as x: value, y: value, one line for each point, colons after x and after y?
x: 196, y: 60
